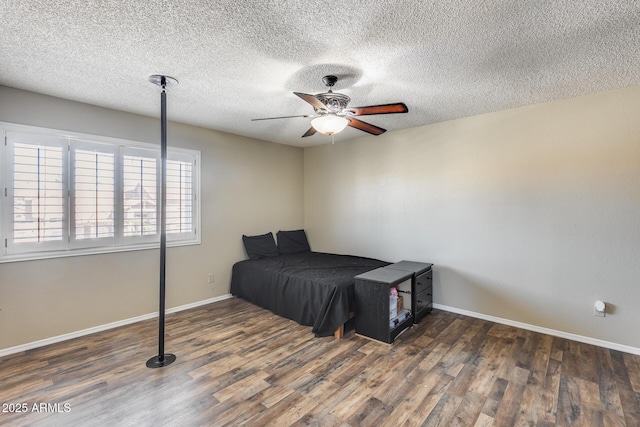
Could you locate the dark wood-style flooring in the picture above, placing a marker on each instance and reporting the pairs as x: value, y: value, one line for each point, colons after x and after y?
x: 238, y: 364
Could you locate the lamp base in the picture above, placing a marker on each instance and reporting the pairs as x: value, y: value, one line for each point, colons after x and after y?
x: 155, y: 362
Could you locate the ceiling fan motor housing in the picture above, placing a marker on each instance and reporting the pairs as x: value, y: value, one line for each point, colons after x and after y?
x: 335, y: 102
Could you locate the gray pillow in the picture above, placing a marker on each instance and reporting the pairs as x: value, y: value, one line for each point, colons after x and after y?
x: 262, y: 246
x: 291, y: 242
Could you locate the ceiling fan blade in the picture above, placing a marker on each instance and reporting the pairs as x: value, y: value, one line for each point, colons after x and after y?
x: 398, y: 107
x: 310, y: 132
x: 283, y: 117
x: 311, y: 100
x: 364, y: 126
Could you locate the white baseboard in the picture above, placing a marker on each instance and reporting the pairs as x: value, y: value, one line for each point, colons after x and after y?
x: 64, y: 337
x: 534, y: 328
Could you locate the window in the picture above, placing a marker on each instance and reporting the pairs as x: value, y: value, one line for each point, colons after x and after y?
x: 71, y: 194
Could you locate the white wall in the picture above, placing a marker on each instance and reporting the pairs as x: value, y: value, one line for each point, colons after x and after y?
x: 530, y: 214
x: 248, y: 187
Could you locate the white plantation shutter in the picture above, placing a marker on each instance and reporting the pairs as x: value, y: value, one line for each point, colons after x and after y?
x: 140, y: 185
x: 93, y: 189
x: 179, y: 197
x: 36, y: 194
x: 68, y: 194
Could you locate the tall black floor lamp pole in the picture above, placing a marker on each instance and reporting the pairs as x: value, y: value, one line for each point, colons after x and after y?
x: 162, y: 359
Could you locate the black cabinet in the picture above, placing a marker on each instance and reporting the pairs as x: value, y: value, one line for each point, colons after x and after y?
x: 372, y: 291
x: 421, y: 286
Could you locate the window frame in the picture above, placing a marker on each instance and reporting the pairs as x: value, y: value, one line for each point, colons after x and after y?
x: 69, y: 246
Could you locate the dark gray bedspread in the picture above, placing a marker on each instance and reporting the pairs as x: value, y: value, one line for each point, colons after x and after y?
x: 313, y: 288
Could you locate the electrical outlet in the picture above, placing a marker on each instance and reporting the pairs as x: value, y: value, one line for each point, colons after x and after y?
x: 210, y: 277
x: 599, y: 309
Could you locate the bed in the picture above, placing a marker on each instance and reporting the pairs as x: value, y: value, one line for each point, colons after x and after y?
x: 313, y: 288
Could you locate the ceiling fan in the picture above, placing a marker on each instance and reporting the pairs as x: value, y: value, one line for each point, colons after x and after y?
x: 332, y: 114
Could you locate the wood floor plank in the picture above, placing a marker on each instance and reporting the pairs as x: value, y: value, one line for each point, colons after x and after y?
x: 580, y: 362
x: 552, y: 390
x: 632, y: 364
x: 533, y: 407
x: 495, y: 397
x: 484, y: 421
x: 244, y: 389
x: 629, y: 399
x: 494, y: 353
x: 540, y: 361
x: 425, y: 407
x: 570, y: 409
x: 238, y: 364
x: 412, y: 406
x: 443, y: 411
x: 609, y: 395
x: 469, y: 410
x: 509, y: 407
x: 368, y: 414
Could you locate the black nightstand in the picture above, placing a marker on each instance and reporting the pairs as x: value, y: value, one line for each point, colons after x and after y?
x: 372, y: 291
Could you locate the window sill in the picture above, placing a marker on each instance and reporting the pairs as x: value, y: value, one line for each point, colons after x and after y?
x: 93, y: 251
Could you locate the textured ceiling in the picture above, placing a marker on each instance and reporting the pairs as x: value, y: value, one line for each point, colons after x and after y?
x: 242, y: 59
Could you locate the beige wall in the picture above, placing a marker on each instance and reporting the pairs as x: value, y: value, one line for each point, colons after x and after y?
x: 530, y: 214
x: 248, y: 187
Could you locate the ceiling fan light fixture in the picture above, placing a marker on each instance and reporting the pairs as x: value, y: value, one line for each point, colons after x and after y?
x: 329, y: 124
